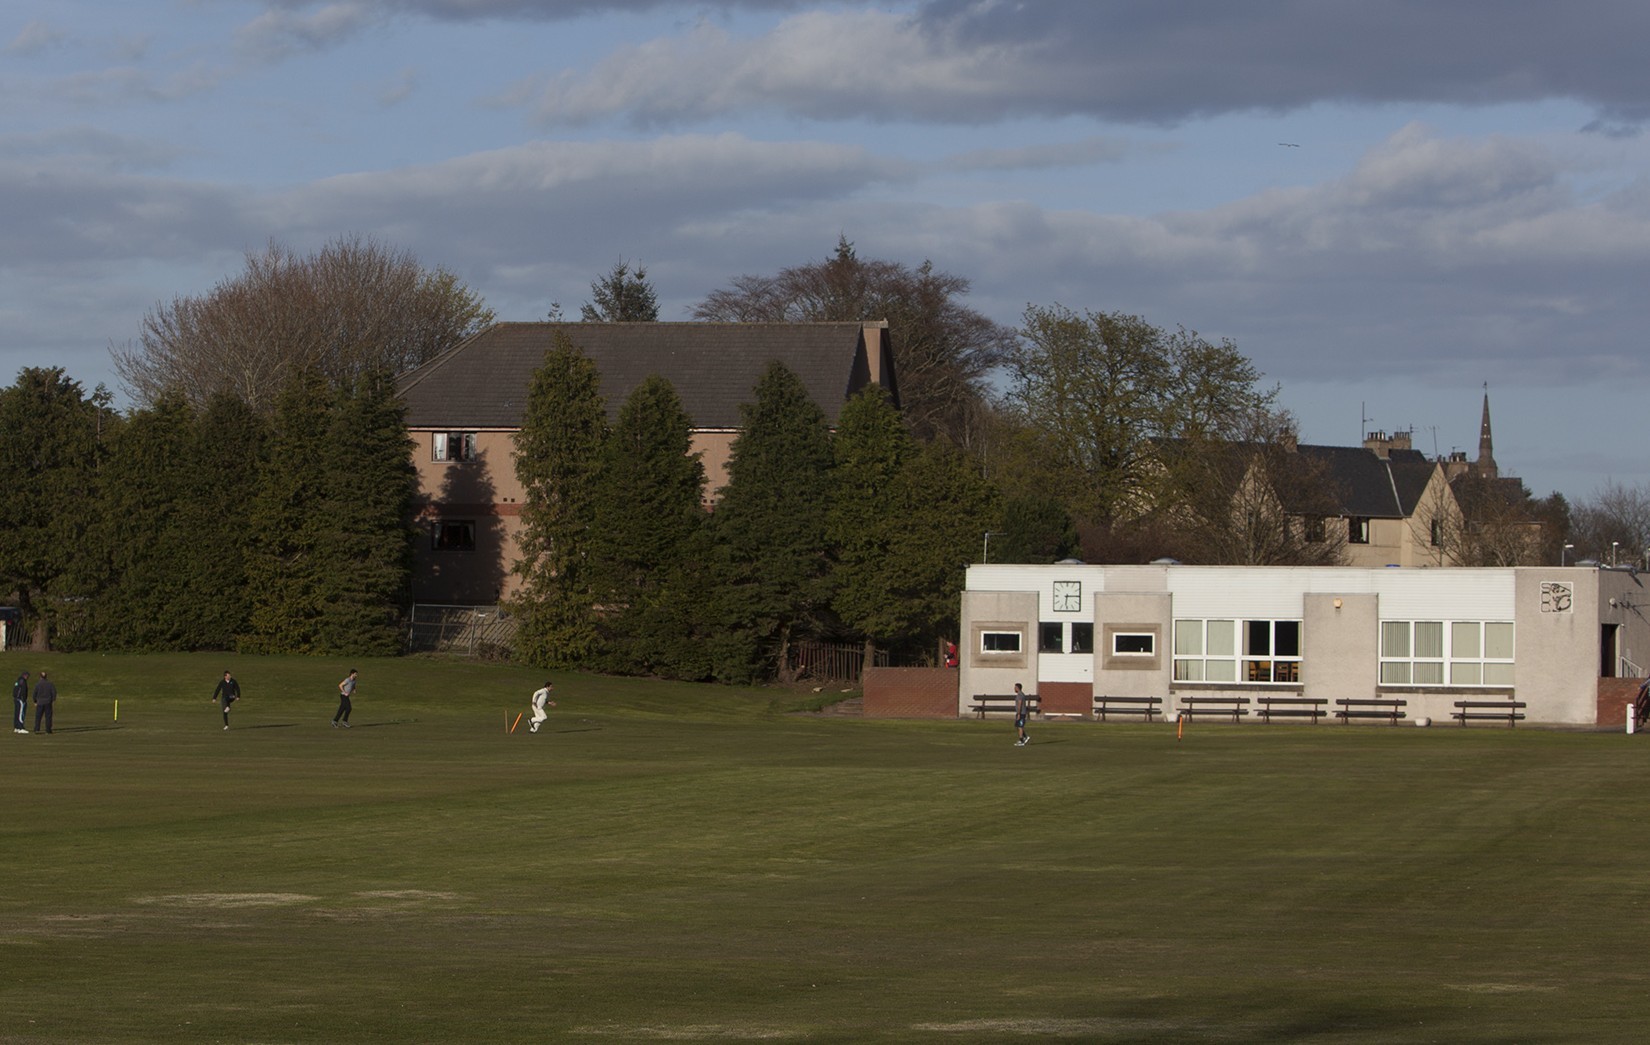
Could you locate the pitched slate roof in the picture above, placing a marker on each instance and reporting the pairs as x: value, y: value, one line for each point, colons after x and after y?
x: 1368, y: 485
x: 483, y: 382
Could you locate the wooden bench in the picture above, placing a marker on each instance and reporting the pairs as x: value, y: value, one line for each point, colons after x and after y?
x: 1389, y: 708
x: 1502, y: 709
x: 1292, y: 707
x: 984, y: 702
x: 1147, y: 706
x: 1191, y: 707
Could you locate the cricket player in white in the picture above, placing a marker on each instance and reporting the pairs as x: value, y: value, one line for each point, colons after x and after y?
x: 540, y: 699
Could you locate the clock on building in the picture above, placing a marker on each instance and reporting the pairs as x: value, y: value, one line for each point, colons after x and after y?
x: 1068, y: 596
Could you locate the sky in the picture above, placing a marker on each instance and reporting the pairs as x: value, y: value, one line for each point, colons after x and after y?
x: 1389, y: 207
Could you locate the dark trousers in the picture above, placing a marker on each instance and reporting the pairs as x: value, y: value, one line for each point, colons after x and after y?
x: 343, y: 710
x: 21, y: 719
x: 42, y: 711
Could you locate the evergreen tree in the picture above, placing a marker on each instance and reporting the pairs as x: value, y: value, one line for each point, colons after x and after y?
x: 947, y: 508
x: 622, y: 296
x: 556, y: 461
x: 136, y: 559
x: 765, y: 577
x: 648, y: 503
x: 225, y: 460
x: 371, y: 487
x: 872, y: 449
x: 50, y: 452
x: 290, y: 532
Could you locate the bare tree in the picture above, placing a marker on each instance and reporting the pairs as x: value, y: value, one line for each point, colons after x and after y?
x: 353, y: 307
x: 943, y: 350
x: 1615, y: 519
x: 1499, y: 524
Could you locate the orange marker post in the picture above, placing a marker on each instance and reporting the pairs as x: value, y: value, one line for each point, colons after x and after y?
x: 516, y: 723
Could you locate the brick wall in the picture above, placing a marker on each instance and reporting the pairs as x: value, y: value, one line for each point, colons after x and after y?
x: 910, y: 692
x: 1613, y: 697
x: 1066, y: 698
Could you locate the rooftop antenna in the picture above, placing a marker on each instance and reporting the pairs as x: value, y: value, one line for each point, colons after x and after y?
x: 1363, y: 421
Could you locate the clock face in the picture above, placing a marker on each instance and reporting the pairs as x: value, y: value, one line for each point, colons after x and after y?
x: 1068, y: 596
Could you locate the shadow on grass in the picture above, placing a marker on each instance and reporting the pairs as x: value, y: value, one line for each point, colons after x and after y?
x: 375, y: 725
x: 82, y: 729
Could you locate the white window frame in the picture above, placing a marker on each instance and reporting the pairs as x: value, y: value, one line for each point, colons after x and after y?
x: 1216, y: 650
x: 1448, y: 654
x: 1148, y: 652
x: 988, y: 649
x: 442, y: 446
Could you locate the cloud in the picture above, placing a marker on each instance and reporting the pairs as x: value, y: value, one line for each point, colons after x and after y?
x: 1083, y: 153
x: 280, y: 32
x: 1132, y: 61
x: 34, y: 38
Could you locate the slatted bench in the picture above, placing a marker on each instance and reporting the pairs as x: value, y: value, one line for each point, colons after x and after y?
x: 1507, y: 710
x: 1146, y: 706
x: 984, y: 702
x: 1191, y: 707
x: 1389, y: 708
x: 1292, y: 707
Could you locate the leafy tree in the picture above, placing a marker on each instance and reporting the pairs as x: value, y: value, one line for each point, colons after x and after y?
x: 355, y: 307
x: 557, y: 454
x: 944, y: 350
x: 621, y: 296
x: 647, y: 505
x: 51, y: 448
x: 1034, y: 528
x: 765, y: 567
x: 1099, y: 390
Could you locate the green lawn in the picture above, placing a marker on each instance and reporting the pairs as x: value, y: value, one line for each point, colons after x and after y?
x: 685, y: 863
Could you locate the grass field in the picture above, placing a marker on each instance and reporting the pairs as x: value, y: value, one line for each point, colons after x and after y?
x: 686, y: 863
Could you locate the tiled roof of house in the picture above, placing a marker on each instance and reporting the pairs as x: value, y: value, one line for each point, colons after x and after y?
x: 1369, y: 486
x: 483, y: 382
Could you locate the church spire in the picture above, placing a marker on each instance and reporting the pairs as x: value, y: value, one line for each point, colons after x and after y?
x: 1485, y: 466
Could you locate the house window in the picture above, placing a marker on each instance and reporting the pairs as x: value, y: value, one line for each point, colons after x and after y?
x: 1133, y: 644
x: 453, y: 535
x: 453, y: 446
x: 1436, y: 536
x: 1313, y: 529
x: 1082, y: 637
x: 1051, y: 637
x: 1357, y: 529
x: 1454, y: 653
x: 1241, y: 651
x: 999, y: 642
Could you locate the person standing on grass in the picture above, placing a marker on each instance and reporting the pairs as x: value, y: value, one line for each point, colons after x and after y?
x: 20, y: 700
x: 1022, y: 710
x: 45, y: 695
x: 346, y: 690
x: 228, y: 692
x: 540, y: 699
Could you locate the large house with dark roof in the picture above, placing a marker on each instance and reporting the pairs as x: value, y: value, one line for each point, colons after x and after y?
x: 465, y: 407
x: 1394, y: 501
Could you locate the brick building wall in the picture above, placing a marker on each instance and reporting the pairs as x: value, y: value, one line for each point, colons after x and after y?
x: 1613, y: 697
x: 910, y: 692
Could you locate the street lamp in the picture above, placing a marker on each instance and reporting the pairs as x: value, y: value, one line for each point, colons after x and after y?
x: 985, y: 549
x: 1564, y: 552
x: 1613, y: 546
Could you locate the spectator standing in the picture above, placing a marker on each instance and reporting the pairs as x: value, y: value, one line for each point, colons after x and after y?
x: 45, y: 695
x: 20, y: 701
x: 346, y: 690
x: 1022, y: 710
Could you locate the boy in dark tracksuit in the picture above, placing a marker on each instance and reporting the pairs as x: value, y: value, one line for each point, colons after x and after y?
x: 45, y: 695
x: 228, y: 692
x: 20, y: 698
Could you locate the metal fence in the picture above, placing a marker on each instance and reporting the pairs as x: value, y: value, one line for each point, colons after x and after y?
x: 484, y: 632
